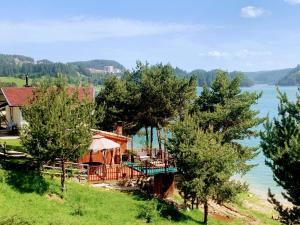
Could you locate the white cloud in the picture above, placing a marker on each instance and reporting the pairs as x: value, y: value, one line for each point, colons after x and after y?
x: 252, y: 12
x: 239, y: 54
x: 217, y: 54
x: 87, y: 29
x: 293, y: 2
x: 244, y: 53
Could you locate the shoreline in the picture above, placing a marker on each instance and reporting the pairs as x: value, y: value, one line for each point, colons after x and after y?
x: 262, y: 195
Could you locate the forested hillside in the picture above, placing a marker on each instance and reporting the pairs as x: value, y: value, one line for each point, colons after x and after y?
x: 267, y: 77
x: 97, y: 64
x: 206, y: 77
x: 11, y: 65
x: 292, y: 78
x: 91, y: 71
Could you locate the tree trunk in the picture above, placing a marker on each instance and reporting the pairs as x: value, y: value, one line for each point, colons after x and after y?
x: 63, y: 175
x: 147, y: 138
x: 205, y: 221
x: 193, y: 201
x: 165, y: 143
x: 151, y: 140
x: 197, y: 203
x: 158, y: 138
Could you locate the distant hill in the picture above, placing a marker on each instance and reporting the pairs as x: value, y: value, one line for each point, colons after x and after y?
x: 206, y: 77
x: 91, y: 71
x: 98, y: 64
x: 95, y: 71
x: 44, y: 61
x: 268, y: 77
x: 292, y: 78
x: 15, y: 59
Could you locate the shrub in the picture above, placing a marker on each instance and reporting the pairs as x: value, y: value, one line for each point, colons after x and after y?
x: 79, y: 210
x: 2, y: 176
x: 148, y: 211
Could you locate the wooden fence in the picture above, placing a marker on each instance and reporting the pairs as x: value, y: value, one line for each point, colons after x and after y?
x: 74, y: 170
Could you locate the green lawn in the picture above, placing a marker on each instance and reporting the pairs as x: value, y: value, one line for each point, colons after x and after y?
x: 30, y: 199
x: 12, y: 144
x: 20, y: 82
x: 27, y: 198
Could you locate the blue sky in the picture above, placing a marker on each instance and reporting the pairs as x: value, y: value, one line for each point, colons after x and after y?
x: 228, y: 34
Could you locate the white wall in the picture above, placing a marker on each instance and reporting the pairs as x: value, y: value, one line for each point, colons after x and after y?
x: 14, y: 116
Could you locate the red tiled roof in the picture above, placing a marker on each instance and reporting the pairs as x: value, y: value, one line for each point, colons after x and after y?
x: 20, y: 96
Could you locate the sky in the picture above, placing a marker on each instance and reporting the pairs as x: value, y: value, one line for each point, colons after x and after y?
x: 232, y: 35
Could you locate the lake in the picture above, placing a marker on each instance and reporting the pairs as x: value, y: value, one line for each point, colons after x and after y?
x: 260, y: 177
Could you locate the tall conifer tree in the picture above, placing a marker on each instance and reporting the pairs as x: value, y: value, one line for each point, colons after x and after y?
x: 281, y: 146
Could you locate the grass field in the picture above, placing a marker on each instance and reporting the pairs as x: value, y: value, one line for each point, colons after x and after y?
x: 28, y: 198
x: 20, y: 82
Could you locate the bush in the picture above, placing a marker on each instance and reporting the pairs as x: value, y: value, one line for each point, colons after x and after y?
x: 2, y: 176
x: 79, y: 210
x: 148, y: 211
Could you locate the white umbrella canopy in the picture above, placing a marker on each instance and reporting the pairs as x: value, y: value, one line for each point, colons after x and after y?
x: 101, y: 143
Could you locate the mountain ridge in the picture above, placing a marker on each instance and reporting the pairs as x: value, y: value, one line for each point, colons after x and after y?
x: 16, y: 65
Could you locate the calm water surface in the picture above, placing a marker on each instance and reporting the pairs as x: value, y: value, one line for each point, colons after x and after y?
x: 260, y: 177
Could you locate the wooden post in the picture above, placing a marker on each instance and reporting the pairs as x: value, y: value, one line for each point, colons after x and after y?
x: 112, y: 161
x: 151, y: 141
x: 63, y: 175
x: 117, y: 172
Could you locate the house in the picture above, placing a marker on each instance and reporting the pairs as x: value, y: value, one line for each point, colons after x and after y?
x: 12, y: 99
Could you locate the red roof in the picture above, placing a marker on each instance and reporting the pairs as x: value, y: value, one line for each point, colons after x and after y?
x: 20, y: 96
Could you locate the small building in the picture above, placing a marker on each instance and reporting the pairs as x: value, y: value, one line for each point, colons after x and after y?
x: 112, y: 156
x: 12, y: 99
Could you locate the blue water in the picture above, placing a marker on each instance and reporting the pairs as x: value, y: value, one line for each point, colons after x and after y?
x: 260, y: 177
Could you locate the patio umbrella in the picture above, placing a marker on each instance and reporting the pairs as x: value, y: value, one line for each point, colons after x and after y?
x: 100, y: 143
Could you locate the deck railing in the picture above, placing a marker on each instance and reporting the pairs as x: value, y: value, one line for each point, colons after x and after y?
x: 115, y: 172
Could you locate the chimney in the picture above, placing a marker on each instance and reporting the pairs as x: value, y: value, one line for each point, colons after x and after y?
x: 119, y: 129
x: 26, y: 81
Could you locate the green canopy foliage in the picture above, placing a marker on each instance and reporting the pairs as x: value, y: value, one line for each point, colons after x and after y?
x: 281, y: 146
x: 225, y: 109
x: 149, y: 96
x: 205, y: 164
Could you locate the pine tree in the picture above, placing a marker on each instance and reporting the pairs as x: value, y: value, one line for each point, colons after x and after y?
x: 281, y: 145
x: 149, y: 96
x: 205, y: 164
x: 227, y: 110
x: 59, y: 124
